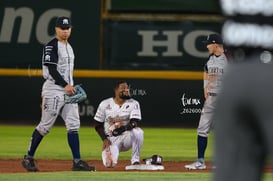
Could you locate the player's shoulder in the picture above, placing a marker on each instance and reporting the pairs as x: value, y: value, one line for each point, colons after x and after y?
x: 132, y: 100
x: 106, y: 101
x: 52, y: 42
x: 210, y: 58
x: 223, y: 58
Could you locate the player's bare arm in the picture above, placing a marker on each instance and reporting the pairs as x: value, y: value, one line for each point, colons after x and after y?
x: 99, y: 127
x: 106, y: 143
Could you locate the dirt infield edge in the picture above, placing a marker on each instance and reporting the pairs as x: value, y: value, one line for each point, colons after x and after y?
x: 46, y: 165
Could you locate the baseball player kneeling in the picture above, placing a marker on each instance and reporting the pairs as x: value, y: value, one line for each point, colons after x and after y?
x: 116, y: 122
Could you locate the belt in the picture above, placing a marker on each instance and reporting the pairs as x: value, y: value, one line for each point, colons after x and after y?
x: 212, y: 94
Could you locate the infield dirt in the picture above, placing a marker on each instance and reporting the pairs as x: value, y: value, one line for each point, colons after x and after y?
x: 15, y: 166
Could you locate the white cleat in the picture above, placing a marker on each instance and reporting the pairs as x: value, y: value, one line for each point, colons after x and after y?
x: 199, y: 164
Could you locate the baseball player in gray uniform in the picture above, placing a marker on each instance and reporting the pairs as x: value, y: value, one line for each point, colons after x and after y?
x: 58, y: 65
x: 117, y: 121
x: 213, y: 73
x: 244, y: 112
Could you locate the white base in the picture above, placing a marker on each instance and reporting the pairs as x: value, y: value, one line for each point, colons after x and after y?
x: 144, y: 167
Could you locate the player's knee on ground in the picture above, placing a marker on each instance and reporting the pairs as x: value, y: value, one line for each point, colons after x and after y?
x: 109, y: 164
x: 108, y: 159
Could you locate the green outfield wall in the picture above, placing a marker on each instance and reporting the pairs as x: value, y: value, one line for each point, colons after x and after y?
x: 154, y: 45
x: 167, y: 6
x: 167, y: 98
x: 25, y: 26
x: 106, y: 40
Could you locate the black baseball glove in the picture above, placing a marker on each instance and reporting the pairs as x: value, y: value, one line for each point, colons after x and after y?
x: 120, y: 130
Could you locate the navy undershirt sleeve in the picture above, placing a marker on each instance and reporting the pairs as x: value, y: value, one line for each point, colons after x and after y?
x: 52, y: 68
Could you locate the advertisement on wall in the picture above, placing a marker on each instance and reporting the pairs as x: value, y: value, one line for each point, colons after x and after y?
x: 157, y: 44
x: 25, y: 26
x: 133, y: 45
x: 162, y: 102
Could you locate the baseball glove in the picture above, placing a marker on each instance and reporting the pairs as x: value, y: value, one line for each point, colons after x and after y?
x: 79, y: 96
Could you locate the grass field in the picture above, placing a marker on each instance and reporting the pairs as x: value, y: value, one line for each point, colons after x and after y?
x: 109, y: 176
x: 174, y: 144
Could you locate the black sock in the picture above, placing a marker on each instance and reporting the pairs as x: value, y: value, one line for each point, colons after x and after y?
x: 74, y: 143
x: 36, y: 138
x: 202, y: 145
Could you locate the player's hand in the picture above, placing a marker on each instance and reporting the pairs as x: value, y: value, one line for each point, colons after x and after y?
x: 206, y: 93
x: 106, y: 143
x: 69, y: 89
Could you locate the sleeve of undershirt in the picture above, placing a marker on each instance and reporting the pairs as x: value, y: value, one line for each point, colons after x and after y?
x: 52, y: 68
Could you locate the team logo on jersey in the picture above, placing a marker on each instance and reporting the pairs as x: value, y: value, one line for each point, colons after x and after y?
x: 136, y: 106
x: 216, y: 70
x: 108, y: 107
x: 47, y: 58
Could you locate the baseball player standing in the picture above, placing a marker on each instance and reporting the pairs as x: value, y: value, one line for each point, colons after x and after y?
x: 213, y: 73
x: 244, y: 113
x: 116, y: 122
x: 58, y: 65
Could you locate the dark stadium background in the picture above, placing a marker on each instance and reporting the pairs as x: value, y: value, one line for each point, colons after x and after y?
x: 110, y: 35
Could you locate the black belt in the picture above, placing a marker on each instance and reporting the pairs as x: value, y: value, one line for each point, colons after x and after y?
x: 212, y: 94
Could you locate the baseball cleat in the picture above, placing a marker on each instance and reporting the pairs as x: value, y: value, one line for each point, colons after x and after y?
x: 29, y: 165
x: 82, y: 166
x: 199, y: 164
